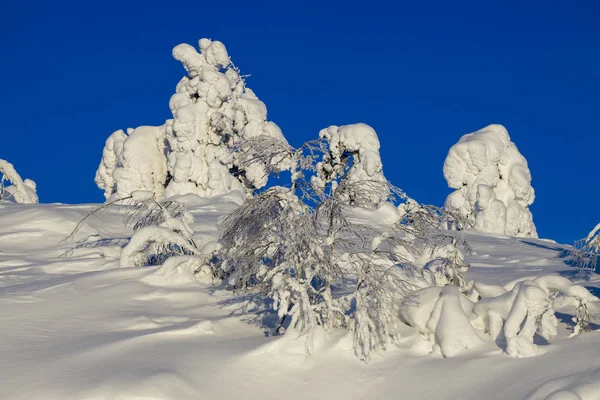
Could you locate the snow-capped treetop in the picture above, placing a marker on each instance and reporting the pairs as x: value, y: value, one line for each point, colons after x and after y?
x: 21, y: 191
x: 356, y: 144
x: 492, y: 182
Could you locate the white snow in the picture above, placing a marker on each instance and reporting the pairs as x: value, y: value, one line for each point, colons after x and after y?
x: 492, y: 182
x: 75, y: 325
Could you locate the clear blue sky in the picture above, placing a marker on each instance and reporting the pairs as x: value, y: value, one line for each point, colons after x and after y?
x: 421, y: 73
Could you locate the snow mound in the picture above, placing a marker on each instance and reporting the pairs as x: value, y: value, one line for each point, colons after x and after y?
x: 492, y: 182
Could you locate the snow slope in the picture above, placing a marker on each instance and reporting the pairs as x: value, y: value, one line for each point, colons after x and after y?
x: 74, y: 326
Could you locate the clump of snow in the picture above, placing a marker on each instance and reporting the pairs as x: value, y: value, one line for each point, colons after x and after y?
x: 181, y: 269
x: 453, y: 331
x: 514, y: 312
x: 21, y: 191
x: 492, y: 182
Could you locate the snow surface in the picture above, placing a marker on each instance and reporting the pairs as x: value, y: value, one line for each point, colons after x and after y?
x: 76, y: 326
x: 362, y: 141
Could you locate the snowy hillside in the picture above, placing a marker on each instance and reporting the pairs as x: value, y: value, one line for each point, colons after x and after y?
x: 76, y: 326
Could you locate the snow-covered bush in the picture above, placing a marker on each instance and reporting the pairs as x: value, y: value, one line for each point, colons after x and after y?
x: 194, y: 152
x: 513, y: 313
x: 161, y: 229
x: 492, y: 182
x: 584, y: 253
x: 20, y: 191
x: 306, y: 248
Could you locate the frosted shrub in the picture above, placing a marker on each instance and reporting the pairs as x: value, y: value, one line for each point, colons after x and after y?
x: 20, y: 191
x: 304, y: 247
x: 161, y: 229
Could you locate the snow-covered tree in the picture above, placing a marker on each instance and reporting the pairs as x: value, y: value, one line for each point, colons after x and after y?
x: 513, y: 313
x: 584, y: 253
x: 311, y: 247
x: 492, y: 182
x: 354, y: 155
x: 20, y: 191
x: 194, y: 152
x: 133, y: 161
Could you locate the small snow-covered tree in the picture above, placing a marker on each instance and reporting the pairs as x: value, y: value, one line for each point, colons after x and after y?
x: 492, y: 182
x: 20, y: 191
x: 307, y: 248
x: 584, y: 254
x: 162, y: 229
x: 195, y: 151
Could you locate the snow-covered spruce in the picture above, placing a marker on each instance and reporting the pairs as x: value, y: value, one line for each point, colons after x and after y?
x: 311, y: 248
x: 213, y: 112
x: 20, y: 191
x: 355, y: 147
x: 492, y: 182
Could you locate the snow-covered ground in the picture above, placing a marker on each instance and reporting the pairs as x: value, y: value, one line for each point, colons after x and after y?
x: 75, y: 326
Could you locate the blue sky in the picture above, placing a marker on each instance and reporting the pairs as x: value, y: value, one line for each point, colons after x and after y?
x: 421, y: 73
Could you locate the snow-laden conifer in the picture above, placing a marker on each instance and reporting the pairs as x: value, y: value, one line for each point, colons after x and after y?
x: 197, y: 151
x: 492, y: 182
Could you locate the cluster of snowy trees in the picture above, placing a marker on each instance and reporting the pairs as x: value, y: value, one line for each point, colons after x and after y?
x: 339, y: 247
x: 19, y: 190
